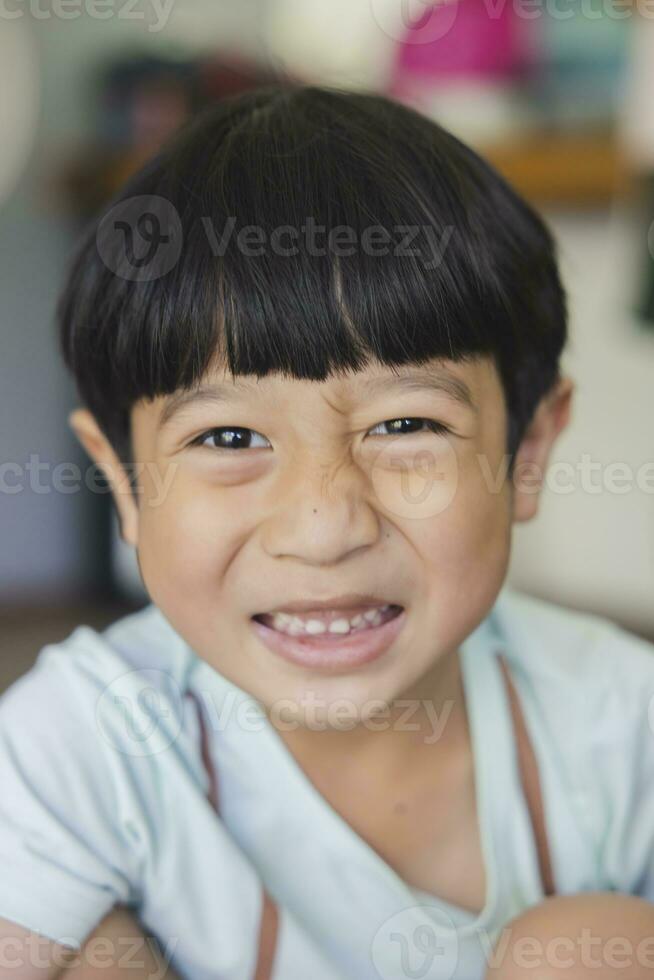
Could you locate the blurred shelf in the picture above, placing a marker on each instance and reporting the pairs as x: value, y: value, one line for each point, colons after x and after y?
x: 573, y: 170
x: 94, y: 176
x: 577, y: 170
x: 26, y: 629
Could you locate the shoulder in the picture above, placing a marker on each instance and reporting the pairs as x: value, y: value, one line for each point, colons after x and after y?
x: 102, y: 688
x: 97, y: 742
x: 558, y: 645
x: 586, y: 684
x: 83, y: 803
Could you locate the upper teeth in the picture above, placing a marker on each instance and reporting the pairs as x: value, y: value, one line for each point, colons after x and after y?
x: 294, y: 625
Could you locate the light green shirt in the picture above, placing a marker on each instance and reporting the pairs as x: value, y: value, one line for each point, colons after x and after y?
x: 103, y: 801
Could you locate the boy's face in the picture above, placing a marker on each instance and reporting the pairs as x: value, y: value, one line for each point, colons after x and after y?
x: 305, y: 494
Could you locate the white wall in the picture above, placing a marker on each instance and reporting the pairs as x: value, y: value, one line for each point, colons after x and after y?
x: 596, y: 549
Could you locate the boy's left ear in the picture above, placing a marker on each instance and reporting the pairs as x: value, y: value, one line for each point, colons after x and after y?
x: 550, y: 418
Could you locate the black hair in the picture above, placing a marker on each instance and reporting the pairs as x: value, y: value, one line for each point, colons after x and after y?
x: 283, y: 156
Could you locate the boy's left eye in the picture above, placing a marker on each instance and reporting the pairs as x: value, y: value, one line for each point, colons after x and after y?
x: 430, y: 425
x: 241, y: 438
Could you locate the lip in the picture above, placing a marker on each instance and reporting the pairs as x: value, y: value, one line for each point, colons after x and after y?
x: 345, y: 602
x: 324, y: 653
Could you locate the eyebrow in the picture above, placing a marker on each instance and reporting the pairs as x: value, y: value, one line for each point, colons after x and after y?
x: 439, y: 381
x: 207, y: 394
x: 434, y: 381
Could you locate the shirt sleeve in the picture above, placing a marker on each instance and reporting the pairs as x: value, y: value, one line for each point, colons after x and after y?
x: 624, y: 765
x: 65, y: 860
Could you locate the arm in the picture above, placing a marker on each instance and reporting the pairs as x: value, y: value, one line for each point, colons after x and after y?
x: 65, y: 858
x: 120, y: 949
x: 117, y: 949
x: 26, y: 955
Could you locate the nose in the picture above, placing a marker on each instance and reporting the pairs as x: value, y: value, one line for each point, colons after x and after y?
x: 323, y: 514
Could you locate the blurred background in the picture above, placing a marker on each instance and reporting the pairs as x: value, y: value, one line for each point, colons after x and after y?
x: 559, y: 95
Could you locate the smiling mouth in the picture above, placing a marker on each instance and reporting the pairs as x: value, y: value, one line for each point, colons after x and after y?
x: 329, y: 625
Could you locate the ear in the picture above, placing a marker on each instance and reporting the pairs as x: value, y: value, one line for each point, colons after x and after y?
x: 550, y: 418
x: 87, y: 430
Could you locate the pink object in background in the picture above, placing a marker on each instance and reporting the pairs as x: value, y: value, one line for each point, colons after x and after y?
x: 463, y: 39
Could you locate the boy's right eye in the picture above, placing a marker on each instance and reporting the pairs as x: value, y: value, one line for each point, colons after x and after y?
x: 236, y: 437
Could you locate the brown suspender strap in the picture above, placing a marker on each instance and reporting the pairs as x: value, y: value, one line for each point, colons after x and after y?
x: 267, y: 938
x: 269, y: 923
x: 530, y: 782
x: 212, y: 792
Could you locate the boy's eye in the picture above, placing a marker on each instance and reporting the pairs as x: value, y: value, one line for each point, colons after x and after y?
x: 399, y: 426
x: 237, y: 437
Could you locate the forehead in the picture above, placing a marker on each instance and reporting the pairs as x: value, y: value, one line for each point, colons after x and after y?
x: 468, y: 385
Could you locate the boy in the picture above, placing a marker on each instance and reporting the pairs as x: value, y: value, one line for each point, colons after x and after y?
x: 317, y: 340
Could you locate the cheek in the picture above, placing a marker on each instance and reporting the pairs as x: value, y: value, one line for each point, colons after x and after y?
x: 471, y: 535
x: 417, y: 486
x: 189, y: 538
